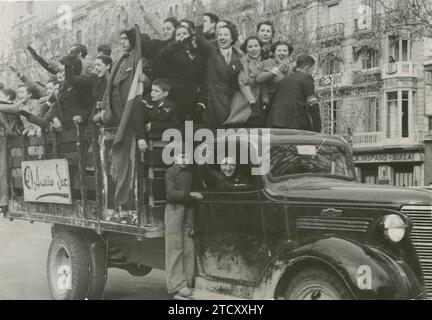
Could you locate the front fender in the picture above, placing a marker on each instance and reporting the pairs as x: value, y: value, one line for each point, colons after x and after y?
x: 369, y: 272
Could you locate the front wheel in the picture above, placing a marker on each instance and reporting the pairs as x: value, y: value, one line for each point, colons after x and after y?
x: 316, y: 284
x: 68, y: 267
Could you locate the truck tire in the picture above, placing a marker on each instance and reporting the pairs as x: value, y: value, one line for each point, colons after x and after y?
x: 316, y: 284
x: 98, y: 271
x: 138, y: 270
x: 68, y: 267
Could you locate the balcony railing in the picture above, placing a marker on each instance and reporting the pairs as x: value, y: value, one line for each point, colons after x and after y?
x: 331, y: 31
x: 365, y: 76
x: 383, y: 140
x: 400, y: 69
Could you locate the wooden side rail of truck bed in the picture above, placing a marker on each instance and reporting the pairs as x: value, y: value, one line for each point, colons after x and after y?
x: 87, y: 151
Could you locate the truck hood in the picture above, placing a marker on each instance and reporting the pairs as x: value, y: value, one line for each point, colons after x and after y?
x: 336, y: 191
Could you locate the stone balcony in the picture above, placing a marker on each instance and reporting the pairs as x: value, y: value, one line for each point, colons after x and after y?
x: 367, y: 77
x: 401, y: 69
x: 379, y: 140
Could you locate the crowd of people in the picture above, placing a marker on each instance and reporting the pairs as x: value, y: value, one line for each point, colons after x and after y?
x: 198, y: 71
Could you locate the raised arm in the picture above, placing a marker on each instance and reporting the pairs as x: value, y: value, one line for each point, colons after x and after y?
x: 202, y: 43
x: 46, y: 65
x: 40, y: 90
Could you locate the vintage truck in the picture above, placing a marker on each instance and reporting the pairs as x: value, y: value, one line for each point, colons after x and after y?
x: 304, y: 230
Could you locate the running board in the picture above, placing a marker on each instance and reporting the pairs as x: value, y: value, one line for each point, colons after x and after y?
x: 206, y: 295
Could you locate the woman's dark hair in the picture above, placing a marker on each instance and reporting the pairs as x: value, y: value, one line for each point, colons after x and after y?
x: 190, y: 24
x: 229, y: 23
x: 213, y: 18
x: 173, y: 21
x: 282, y: 43
x: 266, y: 23
x: 183, y: 27
x: 106, y: 60
x: 130, y: 34
x: 81, y: 48
x: 244, y: 45
x: 175, y: 24
x: 233, y: 31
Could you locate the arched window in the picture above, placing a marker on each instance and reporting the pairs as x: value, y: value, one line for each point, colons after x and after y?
x: 176, y: 10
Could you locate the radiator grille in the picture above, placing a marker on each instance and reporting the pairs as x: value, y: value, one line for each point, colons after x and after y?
x: 421, y: 237
x: 334, y: 224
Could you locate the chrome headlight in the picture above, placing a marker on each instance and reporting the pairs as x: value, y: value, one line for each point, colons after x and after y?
x: 394, y: 228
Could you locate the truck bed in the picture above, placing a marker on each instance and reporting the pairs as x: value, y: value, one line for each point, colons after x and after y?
x: 88, y: 152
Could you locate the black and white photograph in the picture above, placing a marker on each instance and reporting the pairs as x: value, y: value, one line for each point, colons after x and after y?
x: 185, y: 150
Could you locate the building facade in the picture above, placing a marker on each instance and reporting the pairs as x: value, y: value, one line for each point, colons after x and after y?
x: 376, y: 88
x: 381, y: 91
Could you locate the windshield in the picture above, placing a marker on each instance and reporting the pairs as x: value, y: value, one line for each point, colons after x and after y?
x: 292, y: 159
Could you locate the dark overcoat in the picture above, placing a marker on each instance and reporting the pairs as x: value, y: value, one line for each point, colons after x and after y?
x: 289, y: 109
x: 222, y: 79
x: 186, y: 68
x: 74, y: 99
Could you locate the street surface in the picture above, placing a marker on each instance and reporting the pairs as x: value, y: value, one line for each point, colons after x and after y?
x: 23, y: 255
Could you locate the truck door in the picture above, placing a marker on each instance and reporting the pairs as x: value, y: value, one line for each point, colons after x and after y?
x: 230, y: 239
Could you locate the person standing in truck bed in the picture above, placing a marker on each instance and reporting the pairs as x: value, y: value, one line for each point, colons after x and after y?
x: 295, y: 104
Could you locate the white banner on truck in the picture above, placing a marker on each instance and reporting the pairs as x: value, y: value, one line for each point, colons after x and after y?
x: 46, y: 181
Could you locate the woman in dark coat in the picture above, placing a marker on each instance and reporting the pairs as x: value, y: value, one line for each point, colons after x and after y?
x: 151, y: 48
x: 223, y: 67
x: 74, y: 97
x: 186, y: 67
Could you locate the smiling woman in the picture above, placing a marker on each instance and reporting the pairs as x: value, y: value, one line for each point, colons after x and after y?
x: 248, y: 105
x: 223, y: 67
